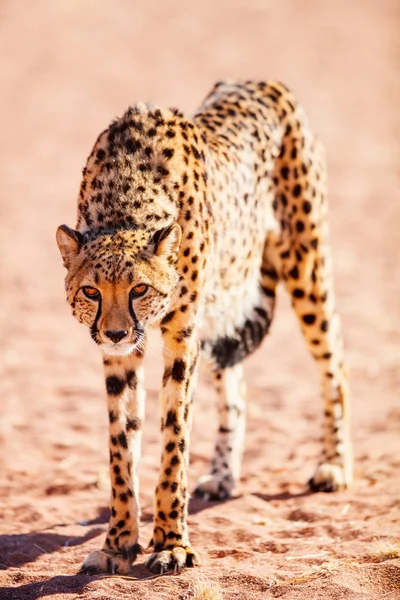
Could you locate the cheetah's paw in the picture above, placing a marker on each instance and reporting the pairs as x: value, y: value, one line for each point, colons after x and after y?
x: 175, y: 559
x: 329, y: 478
x: 215, y: 487
x: 105, y: 561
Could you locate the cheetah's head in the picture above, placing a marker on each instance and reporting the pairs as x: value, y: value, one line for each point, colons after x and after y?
x: 119, y: 283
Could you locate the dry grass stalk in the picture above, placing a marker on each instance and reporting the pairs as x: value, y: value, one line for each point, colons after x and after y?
x: 384, y: 551
x: 328, y: 568
x: 206, y: 591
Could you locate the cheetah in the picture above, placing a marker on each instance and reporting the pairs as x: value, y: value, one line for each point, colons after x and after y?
x: 188, y: 224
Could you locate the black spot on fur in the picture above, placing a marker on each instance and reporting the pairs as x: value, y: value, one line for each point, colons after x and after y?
x: 309, y: 319
x: 171, y: 418
x: 174, y: 461
x: 124, y: 533
x: 324, y: 326
x: 168, y: 152
x: 171, y: 535
x: 178, y: 370
x: 122, y: 439
x: 131, y: 379
x: 131, y: 146
x: 168, y: 317
x: 115, y: 385
x: 298, y: 293
x: 224, y: 429
x: 297, y: 190
x: 133, y: 424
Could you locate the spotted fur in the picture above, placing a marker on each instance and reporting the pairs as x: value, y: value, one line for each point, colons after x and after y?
x: 188, y: 225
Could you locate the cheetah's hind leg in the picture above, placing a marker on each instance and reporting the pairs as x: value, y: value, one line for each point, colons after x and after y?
x: 226, y: 463
x: 228, y: 355
x: 307, y: 270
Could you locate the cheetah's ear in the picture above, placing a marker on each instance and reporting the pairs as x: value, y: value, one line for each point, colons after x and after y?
x: 69, y: 243
x: 167, y: 241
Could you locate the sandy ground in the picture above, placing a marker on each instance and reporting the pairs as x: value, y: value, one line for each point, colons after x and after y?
x: 66, y: 68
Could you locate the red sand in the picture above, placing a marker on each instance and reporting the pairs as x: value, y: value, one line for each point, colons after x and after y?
x: 69, y: 67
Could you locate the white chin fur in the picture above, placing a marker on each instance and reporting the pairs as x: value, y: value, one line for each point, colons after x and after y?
x: 117, y: 349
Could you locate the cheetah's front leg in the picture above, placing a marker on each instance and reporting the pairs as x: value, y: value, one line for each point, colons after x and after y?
x: 125, y: 395
x: 172, y: 548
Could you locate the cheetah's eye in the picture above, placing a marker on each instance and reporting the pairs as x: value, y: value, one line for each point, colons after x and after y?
x: 91, y: 292
x: 140, y: 289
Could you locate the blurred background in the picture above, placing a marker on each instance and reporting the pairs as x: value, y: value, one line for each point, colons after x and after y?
x: 67, y: 68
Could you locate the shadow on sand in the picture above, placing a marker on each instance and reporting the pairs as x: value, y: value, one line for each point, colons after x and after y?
x: 64, y: 584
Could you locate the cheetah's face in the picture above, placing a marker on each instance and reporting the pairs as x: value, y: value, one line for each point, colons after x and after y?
x: 117, y: 284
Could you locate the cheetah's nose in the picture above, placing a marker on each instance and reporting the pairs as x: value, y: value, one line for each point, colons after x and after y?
x: 116, y: 336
